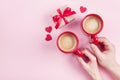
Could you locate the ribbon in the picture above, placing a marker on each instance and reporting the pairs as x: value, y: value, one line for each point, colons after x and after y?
x: 58, y: 18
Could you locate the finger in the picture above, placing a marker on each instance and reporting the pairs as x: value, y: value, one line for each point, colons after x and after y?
x: 107, y: 44
x: 96, y: 50
x: 81, y: 61
x: 89, y: 55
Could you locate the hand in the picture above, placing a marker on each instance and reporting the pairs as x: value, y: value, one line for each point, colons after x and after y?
x: 91, y: 67
x: 106, y: 57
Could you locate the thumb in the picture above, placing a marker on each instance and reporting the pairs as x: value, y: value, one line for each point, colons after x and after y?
x: 96, y: 50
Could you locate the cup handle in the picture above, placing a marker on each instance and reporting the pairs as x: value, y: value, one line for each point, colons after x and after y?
x: 95, y: 39
x: 80, y: 54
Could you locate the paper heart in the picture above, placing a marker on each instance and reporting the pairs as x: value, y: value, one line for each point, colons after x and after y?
x: 83, y: 9
x: 48, y: 29
x: 48, y: 37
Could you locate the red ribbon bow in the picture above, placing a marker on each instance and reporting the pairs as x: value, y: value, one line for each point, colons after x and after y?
x: 58, y: 18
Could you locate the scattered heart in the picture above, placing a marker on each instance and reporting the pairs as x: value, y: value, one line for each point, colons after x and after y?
x: 82, y: 9
x: 48, y: 29
x: 48, y: 37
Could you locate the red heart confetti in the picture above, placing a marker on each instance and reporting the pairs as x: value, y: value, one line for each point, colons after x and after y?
x: 83, y: 9
x: 48, y: 29
x: 48, y: 37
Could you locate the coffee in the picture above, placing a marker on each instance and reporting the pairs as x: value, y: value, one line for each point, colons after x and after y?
x: 92, y: 24
x: 67, y: 42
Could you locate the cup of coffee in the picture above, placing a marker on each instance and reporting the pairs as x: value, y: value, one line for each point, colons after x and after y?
x: 68, y: 42
x: 92, y: 24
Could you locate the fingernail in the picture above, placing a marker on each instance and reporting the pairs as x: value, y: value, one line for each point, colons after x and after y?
x: 92, y: 45
x: 83, y: 50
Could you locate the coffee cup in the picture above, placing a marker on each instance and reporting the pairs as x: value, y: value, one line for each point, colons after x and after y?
x: 67, y: 42
x: 92, y: 24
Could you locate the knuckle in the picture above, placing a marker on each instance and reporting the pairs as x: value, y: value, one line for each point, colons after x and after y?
x: 101, y: 59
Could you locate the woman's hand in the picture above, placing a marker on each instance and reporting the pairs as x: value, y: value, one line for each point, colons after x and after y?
x: 106, y: 57
x: 91, y: 67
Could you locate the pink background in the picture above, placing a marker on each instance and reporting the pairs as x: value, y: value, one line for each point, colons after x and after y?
x: 24, y: 53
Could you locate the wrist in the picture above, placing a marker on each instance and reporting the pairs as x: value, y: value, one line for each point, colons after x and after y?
x: 115, y: 71
x: 113, y: 67
x: 97, y: 77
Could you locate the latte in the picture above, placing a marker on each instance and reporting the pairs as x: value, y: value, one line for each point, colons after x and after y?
x: 92, y: 24
x: 67, y: 42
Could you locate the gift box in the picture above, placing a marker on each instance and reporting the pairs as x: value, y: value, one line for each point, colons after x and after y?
x: 63, y: 16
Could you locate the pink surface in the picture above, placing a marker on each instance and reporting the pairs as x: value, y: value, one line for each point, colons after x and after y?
x: 25, y: 55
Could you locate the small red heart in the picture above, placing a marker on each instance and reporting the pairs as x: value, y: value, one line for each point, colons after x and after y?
x: 48, y: 37
x: 48, y: 29
x: 83, y: 9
